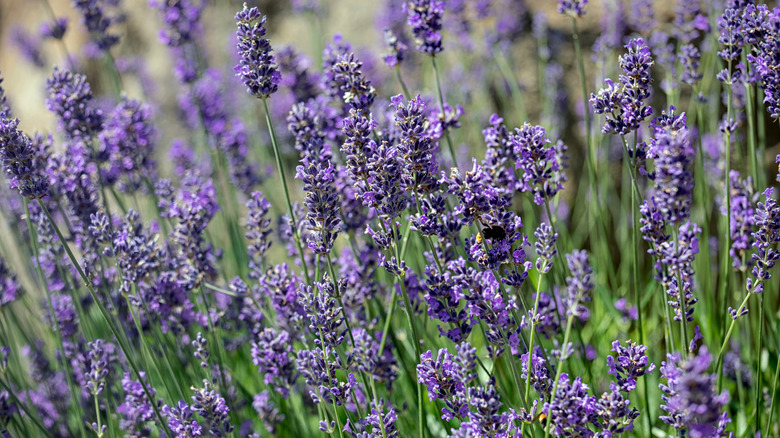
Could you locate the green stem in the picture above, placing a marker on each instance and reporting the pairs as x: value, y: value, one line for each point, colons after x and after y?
x: 719, y: 365
x: 564, y: 346
x: 533, y: 333
x: 758, y: 365
x: 401, y: 81
x: 774, y: 392
x: 104, y: 313
x: 55, y: 325
x: 441, y: 107
x: 280, y: 168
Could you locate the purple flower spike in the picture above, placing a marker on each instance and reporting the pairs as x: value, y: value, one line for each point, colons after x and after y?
x: 424, y: 17
x: 632, y: 363
x: 323, y: 220
x: 690, y: 396
x: 572, y: 410
x: 767, y: 219
x: 580, y: 284
x: 21, y: 162
x: 542, y: 174
x: 70, y: 99
x: 256, y: 68
x: 575, y: 8
x: 673, y: 154
x: 396, y: 49
x: 54, y: 30
x: 623, y: 103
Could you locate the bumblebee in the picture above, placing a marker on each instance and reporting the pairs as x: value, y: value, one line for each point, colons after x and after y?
x: 494, y: 232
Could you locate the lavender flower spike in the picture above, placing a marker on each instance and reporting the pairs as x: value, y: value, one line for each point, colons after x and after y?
x: 256, y: 68
x: 632, y: 363
x: 18, y: 158
x: 424, y: 17
x: 322, y: 200
x: 623, y: 102
x: 575, y: 8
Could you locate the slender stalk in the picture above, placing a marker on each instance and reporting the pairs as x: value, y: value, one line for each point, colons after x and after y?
x: 441, y: 107
x: 774, y: 393
x: 99, y: 430
x: 55, y: 325
x: 581, y: 69
x: 722, y: 351
x: 400, y: 78
x: 726, y: 265
x: 280, y: 168
x: 681, y: 297
x: 104, y: 313
x: 566, y: 334
x: 533, y: 333
x: 758, y: 365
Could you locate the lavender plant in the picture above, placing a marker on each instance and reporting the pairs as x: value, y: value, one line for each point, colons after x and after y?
x: 157, y: 281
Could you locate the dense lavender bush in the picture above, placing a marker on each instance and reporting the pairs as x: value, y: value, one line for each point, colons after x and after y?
x: 406, y: 229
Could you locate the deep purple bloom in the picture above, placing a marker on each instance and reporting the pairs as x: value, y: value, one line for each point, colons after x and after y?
x: 572, y: 410
x: 575, y: 8
x: 446, y: 378
x: 272, y: 354
x: 21, y: 162
x: 54, y: 30
x: 193, y: 210
x: 673, y: 154
x: 214, y: 410
x: 10, y: 288
x: 257, y: 68
x: 766, y: 238
x: 94, y: 366
x: 730, y: 33
x: 396, y: 49
x: 415, y: 145
x: 545, y: 247
x: 678, y: 256
x: 70, y: 99
x: 326, y: 320
x: 632, y: 363
x: 500, y: 159
x: 623, y: 103
x: 97, y: 22
x: 129, y: 139
x: 743, y: 203
x: 614, y: 414
x: 424, y: 17
x: 136, y: 411
x: 29, y: 46
x: 357, y: 91
x: 538, y: 163
x: 541, y: 374
x: 322, y: 201
x: 181, y: 421
x: 379, y: 421
x: 580, y: 283
x: 765, y: 58
x: 689, y: 396
x: 258, y: 229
